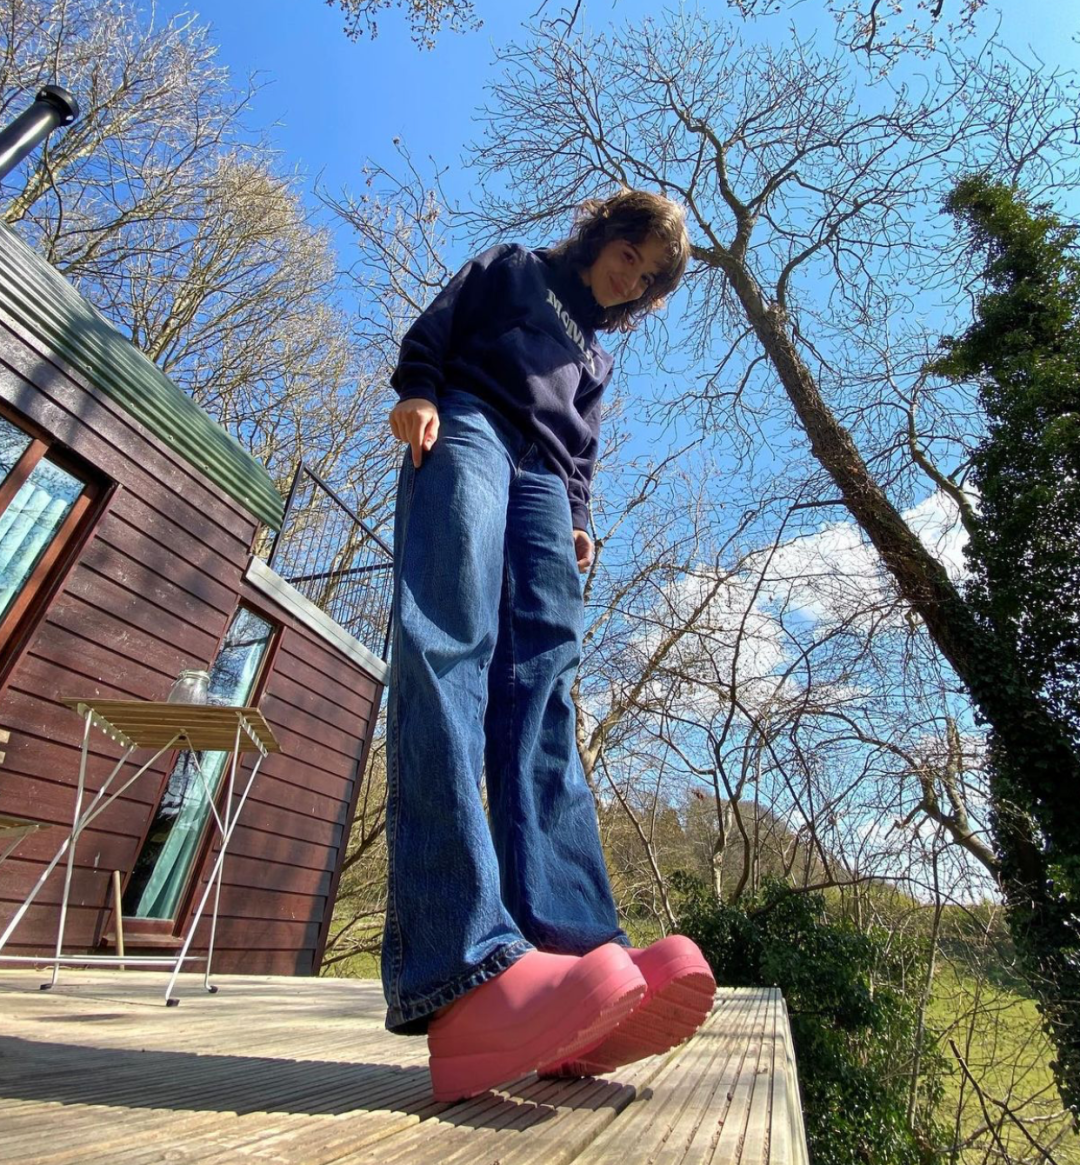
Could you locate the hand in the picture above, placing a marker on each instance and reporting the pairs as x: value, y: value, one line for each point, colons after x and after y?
x: 416, y: 421
x: 583, y: 548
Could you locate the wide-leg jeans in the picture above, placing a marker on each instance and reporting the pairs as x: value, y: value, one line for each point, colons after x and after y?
x: 485, y: 647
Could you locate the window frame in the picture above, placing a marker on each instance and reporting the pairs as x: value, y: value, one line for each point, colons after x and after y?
x: 50, y: 572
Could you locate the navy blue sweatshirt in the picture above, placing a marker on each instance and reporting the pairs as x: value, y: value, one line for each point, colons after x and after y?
x: 517, y: 329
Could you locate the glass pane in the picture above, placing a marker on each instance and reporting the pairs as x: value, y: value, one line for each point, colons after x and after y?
x: 162, y: 867
x: 233, y: 673
x: 27, y: 526
x: 13, y: 443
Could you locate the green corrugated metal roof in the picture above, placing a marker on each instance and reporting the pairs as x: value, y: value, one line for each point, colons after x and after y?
x: 43, y: 301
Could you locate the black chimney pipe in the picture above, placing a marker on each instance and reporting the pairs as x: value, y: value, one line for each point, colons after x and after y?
x: 53, y: 106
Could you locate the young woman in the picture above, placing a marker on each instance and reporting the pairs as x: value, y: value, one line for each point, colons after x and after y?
x: 502, y: 940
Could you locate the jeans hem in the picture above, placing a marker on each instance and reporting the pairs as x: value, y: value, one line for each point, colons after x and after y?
x: 619, y: 939
x: 412, y: 1017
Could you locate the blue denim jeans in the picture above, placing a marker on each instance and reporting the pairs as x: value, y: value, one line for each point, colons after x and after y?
x: 486, y: 643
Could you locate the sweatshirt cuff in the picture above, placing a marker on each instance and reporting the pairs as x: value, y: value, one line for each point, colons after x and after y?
x: 579, y: 516
x: 418, y: 391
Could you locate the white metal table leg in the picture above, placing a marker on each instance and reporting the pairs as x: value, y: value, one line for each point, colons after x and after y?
x: 226, y: 831
x: 76, y: 827
x: 29, y: 899
x: 102, y: 800
x: 215, y: 876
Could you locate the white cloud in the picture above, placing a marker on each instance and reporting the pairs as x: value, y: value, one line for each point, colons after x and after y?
x: 734, y: 637
x: 835, y: 573
x: 936, y: 520
x: 829, y: 576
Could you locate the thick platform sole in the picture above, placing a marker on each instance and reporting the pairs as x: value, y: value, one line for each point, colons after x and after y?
x: 670, y: 1015
x: 563, y: 1030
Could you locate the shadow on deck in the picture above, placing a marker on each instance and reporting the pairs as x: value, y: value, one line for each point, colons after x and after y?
x: 285, y: 1071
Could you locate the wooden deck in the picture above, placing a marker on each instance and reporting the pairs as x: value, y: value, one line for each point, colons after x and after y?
x: 287, y: 1071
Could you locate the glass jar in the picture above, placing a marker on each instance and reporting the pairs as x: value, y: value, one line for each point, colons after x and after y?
x: 190, y: 687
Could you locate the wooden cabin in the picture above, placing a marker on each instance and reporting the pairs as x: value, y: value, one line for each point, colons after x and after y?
x: 127, y: 523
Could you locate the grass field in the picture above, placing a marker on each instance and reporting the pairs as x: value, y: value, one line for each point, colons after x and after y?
x: 358, y: 967
x: 997, y: 1031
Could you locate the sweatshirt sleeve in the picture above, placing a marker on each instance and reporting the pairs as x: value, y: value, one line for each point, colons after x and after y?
x: 425, y: 345
x: 579, y: 486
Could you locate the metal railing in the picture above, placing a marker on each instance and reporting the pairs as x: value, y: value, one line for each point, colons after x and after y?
x: 332, y: 557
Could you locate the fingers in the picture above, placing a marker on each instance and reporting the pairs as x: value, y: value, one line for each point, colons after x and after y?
x: 417, y: 423
x: 583, y: 549
x: 423, y: 435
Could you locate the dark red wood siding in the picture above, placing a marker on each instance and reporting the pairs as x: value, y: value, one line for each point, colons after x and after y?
x: 151, y: 593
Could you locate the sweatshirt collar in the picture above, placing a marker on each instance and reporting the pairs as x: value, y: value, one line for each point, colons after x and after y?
x: 576, y: 297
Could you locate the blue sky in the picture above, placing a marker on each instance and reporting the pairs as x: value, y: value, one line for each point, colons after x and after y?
x: 332, y: 103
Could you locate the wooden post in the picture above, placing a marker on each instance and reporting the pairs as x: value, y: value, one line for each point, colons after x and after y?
x: 118, y: 916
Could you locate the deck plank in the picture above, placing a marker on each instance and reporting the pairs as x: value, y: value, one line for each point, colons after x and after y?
x: 290, y: 1071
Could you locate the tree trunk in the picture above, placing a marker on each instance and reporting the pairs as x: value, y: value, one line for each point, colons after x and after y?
x: 1041, y: 917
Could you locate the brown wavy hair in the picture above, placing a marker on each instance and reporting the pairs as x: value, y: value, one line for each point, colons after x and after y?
x: 633, y: 215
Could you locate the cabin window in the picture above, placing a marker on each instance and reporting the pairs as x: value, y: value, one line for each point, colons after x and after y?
x: 44, y: 496
x: 161, y: 871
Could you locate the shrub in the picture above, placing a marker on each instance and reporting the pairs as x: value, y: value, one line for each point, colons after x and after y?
x: 854, y: 1030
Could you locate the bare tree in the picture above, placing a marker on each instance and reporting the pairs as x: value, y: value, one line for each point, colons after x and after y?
x: 795, y: 729
x: 812, y: 207
x: 174, y: 220
x: 868, y: 25
x: 400, y: 230
x: 426, y: 17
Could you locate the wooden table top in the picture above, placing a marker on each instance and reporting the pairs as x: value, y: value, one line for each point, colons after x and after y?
x: 153, y: 723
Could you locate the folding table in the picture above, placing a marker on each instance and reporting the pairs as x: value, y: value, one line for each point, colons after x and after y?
x: 161, y: 726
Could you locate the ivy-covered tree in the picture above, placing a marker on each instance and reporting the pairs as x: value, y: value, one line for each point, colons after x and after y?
x: 1023, y: 352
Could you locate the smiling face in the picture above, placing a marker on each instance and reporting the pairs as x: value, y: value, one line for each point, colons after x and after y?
x: 623, y: 271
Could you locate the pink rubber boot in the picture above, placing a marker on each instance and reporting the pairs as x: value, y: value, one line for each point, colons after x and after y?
x: 543, y: 1009
x: 678, y: 1000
